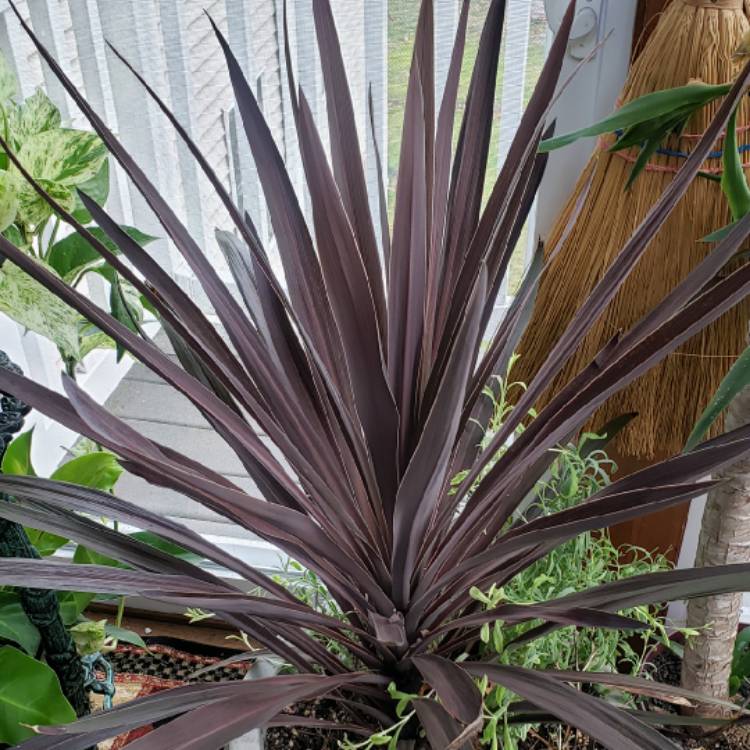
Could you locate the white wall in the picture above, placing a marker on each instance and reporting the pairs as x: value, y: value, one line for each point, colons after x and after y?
x: 591, y: 95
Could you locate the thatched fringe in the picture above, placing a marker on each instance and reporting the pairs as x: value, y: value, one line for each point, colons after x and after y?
x: 693, y: 39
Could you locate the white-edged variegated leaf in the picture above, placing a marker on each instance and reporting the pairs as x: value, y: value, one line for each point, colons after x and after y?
x: 8, y: 199
x: 32, y: 209
x: 68, y: 157
x: 37, y: 114
x: 27, y: 302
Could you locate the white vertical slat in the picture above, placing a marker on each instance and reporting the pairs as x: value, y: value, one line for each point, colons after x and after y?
x: 515, y: 57
x: 19, y: 51
x: 133, y: 25
x: 173, y: 35
x: 517, y: 28
x: 376, y: 67
x: 210, y: 97
x: 48, y: 22
x: 446, y: 22
x: 247, y: 187
x: 98, y: 90
x: 35, y: 355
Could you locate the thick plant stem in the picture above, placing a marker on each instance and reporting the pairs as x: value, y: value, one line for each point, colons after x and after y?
x: 724, y: 539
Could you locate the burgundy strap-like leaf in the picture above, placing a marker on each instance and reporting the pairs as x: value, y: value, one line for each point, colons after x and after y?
x: 659, y: 587
x: 385, y: 230
x: 95, y: 502
x: 470, y: 161
x: 255, y: 695
x: 346, y: 157
x: 508, y: 184
x: 615, y: 276
x: 455, y: 689
x: 426, y: 475
x: 353, y: 305
x: 642, y: 686
x: 511, y: 614
x: 302, y: 271
x: 443, y: 161
x: 408, y: 266
x: 600, y: 720
x: 442, y: 730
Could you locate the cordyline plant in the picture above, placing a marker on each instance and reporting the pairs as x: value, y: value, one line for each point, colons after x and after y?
x: 366, y: 372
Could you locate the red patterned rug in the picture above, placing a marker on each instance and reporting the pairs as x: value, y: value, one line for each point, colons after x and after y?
x: 139, y: 673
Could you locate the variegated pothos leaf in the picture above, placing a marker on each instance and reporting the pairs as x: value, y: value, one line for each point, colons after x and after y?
x: 37, y: 114
x: 8, y: 199
x: 68, y: 157
x: 32, y: 209
x: 27, y: 302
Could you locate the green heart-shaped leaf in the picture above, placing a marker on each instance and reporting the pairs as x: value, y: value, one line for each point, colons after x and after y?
x: 99, y: 470
x: 30, y: 695
x: 72, y: 255
x: 17, y: 457
x: 36, y: 115
x: 33, y: 210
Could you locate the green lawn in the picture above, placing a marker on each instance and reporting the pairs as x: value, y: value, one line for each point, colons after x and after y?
x: 402, y: 17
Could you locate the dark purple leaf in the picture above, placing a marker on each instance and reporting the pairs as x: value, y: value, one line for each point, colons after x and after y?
x: 442, y: 730
x: 426, y: 476
x: 598, y: 719
x: 347, y: 160
x: 455, y: 689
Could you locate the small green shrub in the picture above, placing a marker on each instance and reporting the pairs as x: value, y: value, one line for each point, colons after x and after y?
x: 591, y: 559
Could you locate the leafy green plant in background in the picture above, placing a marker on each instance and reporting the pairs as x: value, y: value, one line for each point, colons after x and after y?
x: 646, y: 123
x: 581, y: 470
x: 63, y: 160
x: 589, y: 560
